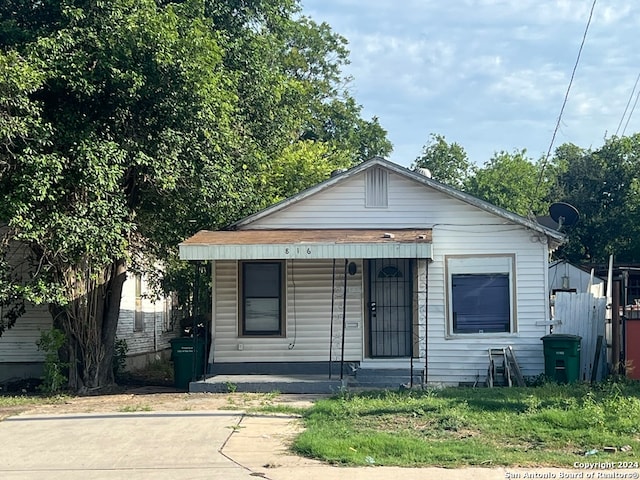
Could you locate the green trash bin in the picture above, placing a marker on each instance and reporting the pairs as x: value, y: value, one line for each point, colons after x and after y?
x: 562, y: 357
x: 188, y: 360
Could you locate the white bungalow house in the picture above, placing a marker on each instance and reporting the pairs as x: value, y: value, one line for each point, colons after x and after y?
x: 378, y: 268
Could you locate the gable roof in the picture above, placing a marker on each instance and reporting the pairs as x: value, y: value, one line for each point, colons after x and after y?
x: 553, y: 235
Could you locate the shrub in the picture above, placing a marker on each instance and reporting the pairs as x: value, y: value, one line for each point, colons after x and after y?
x: 54, y: 378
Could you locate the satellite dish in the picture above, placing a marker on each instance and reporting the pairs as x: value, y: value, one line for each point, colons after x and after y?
x: 563, y: 214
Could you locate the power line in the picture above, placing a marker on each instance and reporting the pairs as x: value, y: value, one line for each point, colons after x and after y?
x: 630, y: 114
x: 564, y: 102
x: 626, y: 108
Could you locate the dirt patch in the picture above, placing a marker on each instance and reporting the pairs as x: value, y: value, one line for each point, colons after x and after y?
x: 150, y: 389
x: 158, y: 399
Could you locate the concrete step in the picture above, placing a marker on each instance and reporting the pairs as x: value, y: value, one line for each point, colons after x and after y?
x: 303, y: 384
x: 385, y: 378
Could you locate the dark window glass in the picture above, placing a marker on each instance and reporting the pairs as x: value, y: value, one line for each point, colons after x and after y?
x: 480, y: 303
x: 389, y: 272
x: 261, y: 298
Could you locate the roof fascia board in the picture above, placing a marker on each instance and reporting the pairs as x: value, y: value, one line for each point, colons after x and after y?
x: 304, y: 251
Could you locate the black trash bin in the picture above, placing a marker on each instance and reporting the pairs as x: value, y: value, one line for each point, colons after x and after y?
x: 187, y: 354
x: 562, y: 357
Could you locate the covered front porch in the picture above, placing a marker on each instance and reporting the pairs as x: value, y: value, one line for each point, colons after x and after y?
x: 313, y: 311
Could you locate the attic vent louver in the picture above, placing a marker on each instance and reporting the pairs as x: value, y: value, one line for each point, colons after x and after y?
x: 376, y: 188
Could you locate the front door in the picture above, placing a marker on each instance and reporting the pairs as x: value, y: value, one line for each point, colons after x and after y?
x: 390, y: 308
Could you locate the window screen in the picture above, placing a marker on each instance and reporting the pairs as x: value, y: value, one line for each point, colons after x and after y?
x: 480, y: 303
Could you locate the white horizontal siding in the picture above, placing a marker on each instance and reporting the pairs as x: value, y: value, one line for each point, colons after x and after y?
x: 343, y: 206
x: 452, y: 360
x: 152, y: 337
x: 308, y: 312
x: 18, y: 344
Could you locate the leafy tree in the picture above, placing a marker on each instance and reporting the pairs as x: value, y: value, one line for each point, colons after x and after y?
x: 448, y: 163
x: 133, y: 102
x: 511, y: 181
x: 339, y: 124
x: 127, y: 124
x: 603, y: 184
x: 300, y: 165
x: 21, y: 130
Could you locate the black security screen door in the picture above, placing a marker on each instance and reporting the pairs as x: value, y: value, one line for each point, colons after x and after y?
x: 390, y: 308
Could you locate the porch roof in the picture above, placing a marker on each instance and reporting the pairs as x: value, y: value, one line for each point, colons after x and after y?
x: 311, y: 244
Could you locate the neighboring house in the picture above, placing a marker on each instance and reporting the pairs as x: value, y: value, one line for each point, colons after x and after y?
x: 144, y: 324
x: 19, y: 354
x: 432, y: 278
x: 566, y: 277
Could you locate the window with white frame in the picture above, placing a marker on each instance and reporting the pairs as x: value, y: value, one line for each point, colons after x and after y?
x: 480, y: 293
x: 262, y: 298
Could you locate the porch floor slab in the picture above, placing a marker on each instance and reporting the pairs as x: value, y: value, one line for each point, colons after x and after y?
x: 269, y: 383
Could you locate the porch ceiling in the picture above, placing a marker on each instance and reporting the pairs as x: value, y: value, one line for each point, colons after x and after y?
x: 311, y: 244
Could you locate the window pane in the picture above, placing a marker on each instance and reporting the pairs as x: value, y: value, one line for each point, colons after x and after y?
x: 261, y: 279
x: 262, y: 315
x: 261, y: 297
x: 480, y: 303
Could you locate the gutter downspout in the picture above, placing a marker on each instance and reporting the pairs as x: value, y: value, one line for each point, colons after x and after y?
x: 333, y: 290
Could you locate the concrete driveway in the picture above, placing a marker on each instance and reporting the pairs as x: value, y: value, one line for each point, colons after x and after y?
x: 123, y: 445
x: 190, y: 445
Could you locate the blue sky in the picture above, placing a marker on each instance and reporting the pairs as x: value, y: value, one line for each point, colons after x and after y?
x: 490, y: 75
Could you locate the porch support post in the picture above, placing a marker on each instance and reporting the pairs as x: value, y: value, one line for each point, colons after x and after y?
x: 344, y: 317
x: 212, y: 333
x: 426, y: 323
x: 196, y: 313
x: 333, y: 291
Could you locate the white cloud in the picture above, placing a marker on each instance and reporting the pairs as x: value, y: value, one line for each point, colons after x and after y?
x: 530, y: 86
x: 488, y: 74
x: 611, y: 14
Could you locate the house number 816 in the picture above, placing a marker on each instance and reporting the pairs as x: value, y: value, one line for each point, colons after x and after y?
x: 288, y: 250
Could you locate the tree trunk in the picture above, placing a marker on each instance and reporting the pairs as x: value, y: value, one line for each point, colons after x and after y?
x: 111, y: 314
x: 90, y: 321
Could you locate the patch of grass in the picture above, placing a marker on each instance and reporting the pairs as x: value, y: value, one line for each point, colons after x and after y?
x: 135, y: 408
x: 29, y: 400
x: 16, y: 404
x: 236, y: 428
x: 530, y: 426
x: 275, y: 408
x: 258, y: 403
